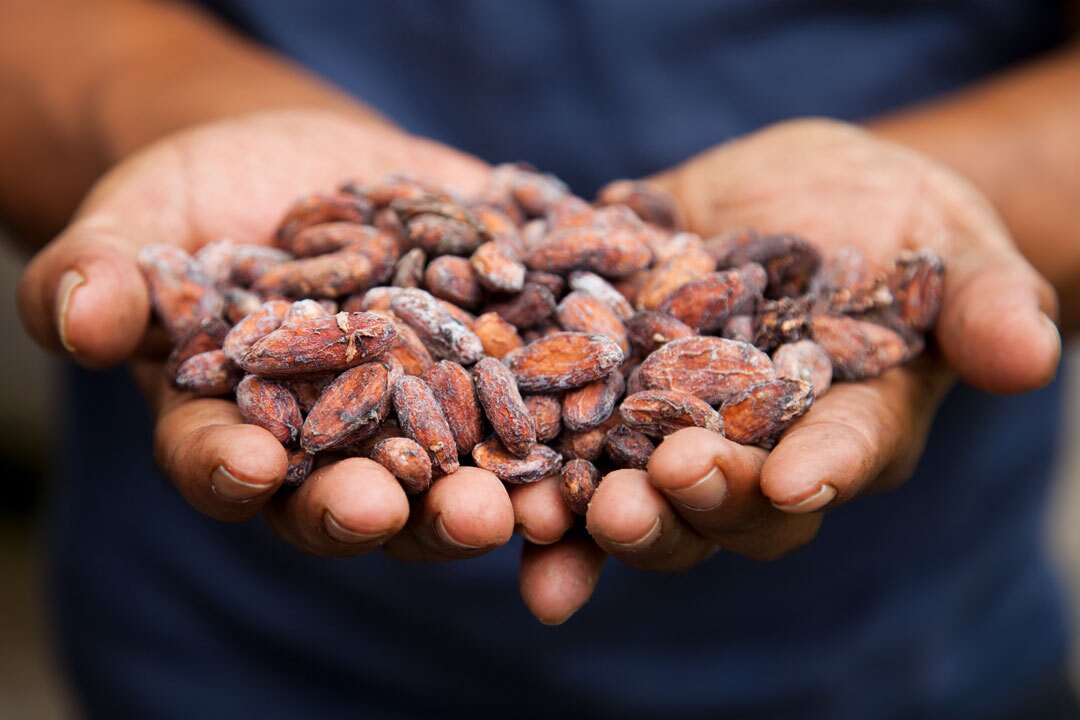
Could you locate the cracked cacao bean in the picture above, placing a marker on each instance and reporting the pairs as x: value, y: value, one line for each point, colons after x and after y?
x: 455, y: 392
x: 657, y: 413
x: 564, y: 361
x: 807, y: 361
x: 538, y: 464
x: 546, y: 414
x: 590, y: 405
x: 856, y: 348
x: 504, y: 407
x: 421, y: 418
x: 270, y: 405
x: 761, y: 412
x: 580, y: 479
x: 407, y: 461
x: 710, y: 368
x: 443, y: 333
x: 351, y: 408
x: 628, y: 448
x: 320, y: 345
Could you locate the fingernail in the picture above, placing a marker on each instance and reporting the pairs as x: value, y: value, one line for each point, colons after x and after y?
x: 444, y: 536
x: 555, y: 622
x: 642, y: 543
x: 70, y: 280
x: 818, y: 500
x: 706, y: 493
x: 1052, y: 327
x: 232, y: 488
x: 340, y: 533
x: 524, y: 533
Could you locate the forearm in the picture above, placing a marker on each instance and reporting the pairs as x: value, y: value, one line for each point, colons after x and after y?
x: 1018, y: 139
x: 86, y: 83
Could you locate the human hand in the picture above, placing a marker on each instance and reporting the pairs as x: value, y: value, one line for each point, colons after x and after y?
x: 84, y: 294
x: 837, y: 186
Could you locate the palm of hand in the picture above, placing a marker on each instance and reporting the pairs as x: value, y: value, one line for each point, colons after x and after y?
x: 837, y: 186
x: 235, y: 179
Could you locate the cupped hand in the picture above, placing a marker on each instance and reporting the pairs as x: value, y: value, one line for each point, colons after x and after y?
x: 836, y: 185
x: 85, y: 295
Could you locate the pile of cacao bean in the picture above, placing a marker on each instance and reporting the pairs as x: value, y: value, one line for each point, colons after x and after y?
x: 523, y: 330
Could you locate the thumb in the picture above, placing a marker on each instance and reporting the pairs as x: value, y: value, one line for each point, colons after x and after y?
x: 996, y: 327
x: 84, y: 294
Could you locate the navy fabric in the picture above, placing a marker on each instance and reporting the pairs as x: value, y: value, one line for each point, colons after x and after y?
x: 933, y: 601
x: 621, y: 88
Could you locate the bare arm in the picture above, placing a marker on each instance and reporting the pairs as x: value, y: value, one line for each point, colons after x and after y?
x: 1017, y: 137
x: 86, y: 83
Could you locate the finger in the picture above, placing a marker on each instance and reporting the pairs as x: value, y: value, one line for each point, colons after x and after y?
x: 541, y: 515
x: 465, y: 514
x: 84, y: 294
x: 347, y: 508
x: 633, y: 522
x: 774, y: 538
x: 870, y: 432
x: 557, y: 580
x: 224, y: 468
x: 712, y: 482
x: 995, y: 328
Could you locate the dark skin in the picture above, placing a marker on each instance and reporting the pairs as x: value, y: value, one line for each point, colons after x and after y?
x: 986, y: 177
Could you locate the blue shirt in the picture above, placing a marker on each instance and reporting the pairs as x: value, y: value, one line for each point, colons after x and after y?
x: 935, y: 600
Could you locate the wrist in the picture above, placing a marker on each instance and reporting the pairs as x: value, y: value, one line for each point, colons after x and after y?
x: 79, y: 105
x: 161, y: 89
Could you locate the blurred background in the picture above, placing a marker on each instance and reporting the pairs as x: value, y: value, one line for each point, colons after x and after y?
x: 29, y: 683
